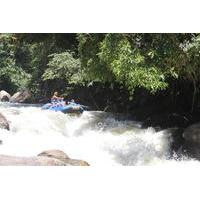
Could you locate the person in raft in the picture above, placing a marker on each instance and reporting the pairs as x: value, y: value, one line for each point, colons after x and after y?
x: 56, y: 99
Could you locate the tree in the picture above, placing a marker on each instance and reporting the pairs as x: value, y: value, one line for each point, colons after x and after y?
x: 63, y: 66
x: 11, y: 74
x: 133, y: 60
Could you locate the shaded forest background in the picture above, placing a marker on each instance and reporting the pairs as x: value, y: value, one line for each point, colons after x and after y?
x: 145, y: 75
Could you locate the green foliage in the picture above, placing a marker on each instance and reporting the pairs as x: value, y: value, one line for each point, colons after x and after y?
x: 32, y: 54
x: 150, y: 61
x: 128, y: 64
x: 133, y: 60
x: 44, y: 62
x: 63, y: 66
x: 93, y: 68
x: 10, y: 71
x: 191, y: 60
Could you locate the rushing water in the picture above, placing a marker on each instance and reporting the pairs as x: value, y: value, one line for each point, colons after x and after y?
x: 99, y: 138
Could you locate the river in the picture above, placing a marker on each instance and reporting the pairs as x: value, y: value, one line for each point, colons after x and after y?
x: 100, y: 138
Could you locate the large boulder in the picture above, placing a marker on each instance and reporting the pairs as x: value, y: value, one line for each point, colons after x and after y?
x: 46, y: 158
x: 166, y: 120
x: 4, y: 96
x: 192, y: 133
x: 54, y: 154
x: 176, y: 139
x: 6, y: 160
x: 20, y: 97
x: 60, y: 155
x: 191, y: 149
x: 191, y: 145
x: 4, y: 122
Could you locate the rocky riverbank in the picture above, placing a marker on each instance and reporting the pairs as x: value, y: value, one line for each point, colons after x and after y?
x: 18, y: 97
x: 46, y: 158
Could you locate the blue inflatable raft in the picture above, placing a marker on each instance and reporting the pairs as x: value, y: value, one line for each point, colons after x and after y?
x: 70, y: 108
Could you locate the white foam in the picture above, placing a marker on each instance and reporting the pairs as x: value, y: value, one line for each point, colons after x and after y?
x: 96, y: 137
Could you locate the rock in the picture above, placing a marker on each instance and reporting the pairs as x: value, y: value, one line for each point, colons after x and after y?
x: 6, y: 160
x: 192, y: 133
x: 46, y: 158
x: 191, y: 145
x: 4, y: 122
x: 20, y: 97
x: 176, y: 140
x: 60, y: 155
x: 4, y: 96
x: 191, y: 149
x: 54, y: 154
x: 168, y: 120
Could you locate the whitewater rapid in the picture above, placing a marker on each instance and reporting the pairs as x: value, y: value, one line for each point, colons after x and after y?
x: 100, y: 138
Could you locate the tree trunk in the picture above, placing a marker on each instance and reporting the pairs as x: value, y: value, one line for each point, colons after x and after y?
x: 194, y: 96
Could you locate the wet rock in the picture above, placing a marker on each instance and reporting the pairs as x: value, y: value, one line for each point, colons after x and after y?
x: 191, y: 149
x: 166, y: 120
x: 191, y: 145
x: 6, y: 160
x: 192, y: 133
x: 20, y: 97
x: 176, y: 139
x: 46, y: 158
x: 60, y: 155
x: 4, y: 122
x: 54, y: 154
x: 4, y: 96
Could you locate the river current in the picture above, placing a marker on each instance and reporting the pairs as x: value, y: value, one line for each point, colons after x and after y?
x: 101, y: 139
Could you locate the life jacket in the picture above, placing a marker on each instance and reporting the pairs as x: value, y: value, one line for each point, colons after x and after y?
x: 57, y: 102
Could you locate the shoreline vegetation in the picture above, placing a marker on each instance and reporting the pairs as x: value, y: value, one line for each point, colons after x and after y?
x: 150, y: 77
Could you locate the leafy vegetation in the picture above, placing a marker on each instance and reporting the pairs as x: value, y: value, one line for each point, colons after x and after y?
x: 63, y: 66
x: 11, y: 74
x: 151, y: 62
x: 133, y: 60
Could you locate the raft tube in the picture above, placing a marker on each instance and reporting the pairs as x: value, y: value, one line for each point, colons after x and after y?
x: 70, y: 108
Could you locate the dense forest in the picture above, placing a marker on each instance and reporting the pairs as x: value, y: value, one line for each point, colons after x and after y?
x: 140, y: 74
